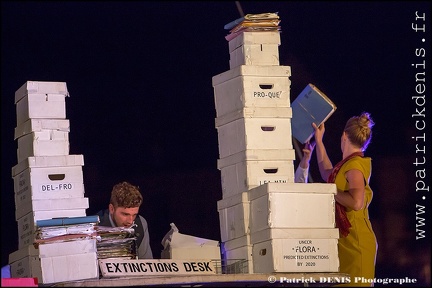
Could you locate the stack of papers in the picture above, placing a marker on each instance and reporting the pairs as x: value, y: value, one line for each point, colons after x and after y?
x: 65, y: 229
x: 253, y: 23
x: 116, y: 242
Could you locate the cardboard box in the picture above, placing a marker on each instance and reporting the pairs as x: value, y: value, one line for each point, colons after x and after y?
x: 255, y: 112
x: 251, y: 86
x: 43, y: 143
x: 186, y: 247
x: 41, y: 87
x: 293, y: 233
x: 48, y: 161
x: 296, y: 255
x: 37, y: 125
x: 255, y: 54
x: 50, y: 205
x: 292, y: 207
x: 41, y: 106
x: 27, y: 223
x: 247, y: 174
x: 234, y: 216
x: 53, y: 182
x: 237, y: 254
x: 254, y: 133
x: 56, y: 262
x: 254, y: 38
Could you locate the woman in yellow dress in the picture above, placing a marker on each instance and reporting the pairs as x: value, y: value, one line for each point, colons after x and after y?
x: 357, y: 245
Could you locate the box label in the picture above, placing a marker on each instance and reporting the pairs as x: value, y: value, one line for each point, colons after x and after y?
x: 124, y: 267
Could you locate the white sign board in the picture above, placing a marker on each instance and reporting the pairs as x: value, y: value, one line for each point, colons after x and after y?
x: 117, y: 267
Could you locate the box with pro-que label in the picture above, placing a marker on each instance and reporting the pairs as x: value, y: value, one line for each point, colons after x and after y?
x: 251, y: 86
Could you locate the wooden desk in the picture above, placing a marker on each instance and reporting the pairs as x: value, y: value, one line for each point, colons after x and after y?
x: 218, y: 280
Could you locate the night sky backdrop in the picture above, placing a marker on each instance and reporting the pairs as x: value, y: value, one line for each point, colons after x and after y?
x: 141, y: 105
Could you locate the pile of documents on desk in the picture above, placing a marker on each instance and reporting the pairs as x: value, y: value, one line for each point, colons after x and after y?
x: 253, y: 23
x: 116, y: 242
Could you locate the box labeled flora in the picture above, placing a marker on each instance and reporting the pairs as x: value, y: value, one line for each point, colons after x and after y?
x: 234, y: 216
x: 255, y: 54
x: 27, y: 223
x: 291, y: 208
x: 41, y: 106
x: 41, y: 87
x: 38, y: 125
x: 254, y: 38
x: 247, y: 174
x: 296, y: 255
x: 293, y: 233
x: 254, y: 133
x: 251, y: 86
x: 43, y: 143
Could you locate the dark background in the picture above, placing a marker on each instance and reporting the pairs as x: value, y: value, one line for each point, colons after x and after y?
x: 141, y: 105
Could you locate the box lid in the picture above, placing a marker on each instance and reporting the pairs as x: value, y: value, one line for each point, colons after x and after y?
x: 294, y: 233
x: 41, y: 87
x: 252, y: 70
x: 48, y: 161
x: 250, y: 38
x: 232, y: 200
x: 314, y: 188
x: 254, y: 112
x: 33, y: 125
x: 257, y: 155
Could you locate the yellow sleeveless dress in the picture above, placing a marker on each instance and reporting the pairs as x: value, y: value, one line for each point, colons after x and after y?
x: 357, y: 251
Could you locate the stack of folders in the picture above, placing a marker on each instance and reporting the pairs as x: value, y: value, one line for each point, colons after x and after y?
x: 116, y: 242
x: 253, y: 23
x: 65, y: 229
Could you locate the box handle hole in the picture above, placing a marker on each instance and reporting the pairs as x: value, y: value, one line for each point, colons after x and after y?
x: 266, y: 86
x: 56, y: 177
x: 270, y: 170
x: 263, y: 252
x: 268, y: 128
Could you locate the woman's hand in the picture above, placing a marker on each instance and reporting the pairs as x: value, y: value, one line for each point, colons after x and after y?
x: 319, y: 132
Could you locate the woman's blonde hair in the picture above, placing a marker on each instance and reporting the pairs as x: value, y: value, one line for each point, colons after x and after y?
x: 359, y: 130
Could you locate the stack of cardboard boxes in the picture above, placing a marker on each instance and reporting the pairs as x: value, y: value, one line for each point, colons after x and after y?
x: 48, y: 183
x: 276, y: 225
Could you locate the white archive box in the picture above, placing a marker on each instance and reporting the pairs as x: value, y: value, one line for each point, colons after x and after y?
x: 249, y: 169
x: 41, y: 87
x: 27, y: 223
x: 250, y: 38
x: 254, y: 112
x: 43, y: 143
x: 292, y: 205
x: 255, y: 54
x: 296, y: 255
x: 51, y: 204
x: 239, y: 249
x: 56, y: 262
x: 251, y: 86
x: 182, y: 246
x: 46, y: 106
x: 51, y: 177
x: 233, y: 216
x: 33, y: 125
x: 254, y: 133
